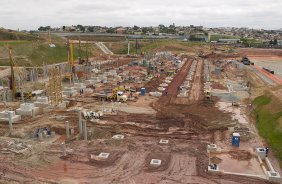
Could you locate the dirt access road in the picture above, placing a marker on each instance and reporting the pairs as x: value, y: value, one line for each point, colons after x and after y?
x: 197, y: 83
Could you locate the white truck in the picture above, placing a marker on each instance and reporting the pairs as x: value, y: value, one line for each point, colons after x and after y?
x: 121, y: 97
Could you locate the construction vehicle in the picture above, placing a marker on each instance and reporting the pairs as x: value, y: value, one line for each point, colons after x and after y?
x: 118, y: 95
x: 25, y: 95
x: 246, y: 61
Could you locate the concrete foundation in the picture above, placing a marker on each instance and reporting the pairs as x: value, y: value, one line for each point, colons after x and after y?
x: 261, y: 153
x: 27, y: 109
x: 212, y: 148
x: 103, y: 155
x: 274, y: 177
x: 119, y: 137
x: 155, y: 162
x: 213, y: 168
x: 163, y: 141
x: 4, y: 116
x: 70, y: 91
x: 42, y: 102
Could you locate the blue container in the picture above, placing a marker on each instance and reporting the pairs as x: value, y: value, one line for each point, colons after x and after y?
x: 236, y: 139
x: 143, y: 91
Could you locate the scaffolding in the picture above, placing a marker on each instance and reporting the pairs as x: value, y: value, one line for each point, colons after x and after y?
x: 55, y: 86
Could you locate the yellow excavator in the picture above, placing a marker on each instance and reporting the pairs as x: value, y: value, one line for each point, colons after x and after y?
x: 117, y: 95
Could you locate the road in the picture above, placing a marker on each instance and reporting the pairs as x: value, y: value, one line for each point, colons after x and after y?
x: 104, y: 48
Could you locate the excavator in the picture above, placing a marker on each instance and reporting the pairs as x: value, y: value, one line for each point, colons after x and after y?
x: 117, y: 95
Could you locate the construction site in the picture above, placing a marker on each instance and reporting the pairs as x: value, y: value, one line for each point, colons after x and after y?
x: 170, y: 115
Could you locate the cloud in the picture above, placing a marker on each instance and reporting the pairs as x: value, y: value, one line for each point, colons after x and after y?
x: 30, y: 14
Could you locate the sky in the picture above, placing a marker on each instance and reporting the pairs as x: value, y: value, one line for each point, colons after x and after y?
x: 31, y: 14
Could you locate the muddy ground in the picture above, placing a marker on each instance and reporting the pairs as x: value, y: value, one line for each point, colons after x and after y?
x: 188, y: 123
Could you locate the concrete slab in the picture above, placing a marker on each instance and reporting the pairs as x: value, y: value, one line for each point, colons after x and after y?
x: 103, y: 155
x: 4, y: 116
x: 155, y: 162
x: 118, y: 136
x: 164, y: 141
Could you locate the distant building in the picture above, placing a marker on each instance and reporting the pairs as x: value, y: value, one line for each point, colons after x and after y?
x: 121, y: 30
x: 279, y: 43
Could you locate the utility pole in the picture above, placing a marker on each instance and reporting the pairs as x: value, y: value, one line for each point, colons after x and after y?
x: 136, y: 46
x: 79, y: 51
x: 87, y: 51
x: 128, y: 47
x: 12, y: 86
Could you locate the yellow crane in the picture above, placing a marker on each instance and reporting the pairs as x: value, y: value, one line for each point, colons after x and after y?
x: 69, y: 75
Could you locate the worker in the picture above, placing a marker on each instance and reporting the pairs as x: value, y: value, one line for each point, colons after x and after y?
x: 178, y: 88
x: 166, y: 93
x: 266, y: 151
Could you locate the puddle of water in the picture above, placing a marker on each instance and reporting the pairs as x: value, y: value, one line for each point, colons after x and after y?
x: 228, y: 164
x: 235, y: 111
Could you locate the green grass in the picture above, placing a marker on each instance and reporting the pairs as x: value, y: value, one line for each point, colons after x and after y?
x: 268, y: 110
x: 216, y: 37
x: 13, y: 35
x: 35, y: 53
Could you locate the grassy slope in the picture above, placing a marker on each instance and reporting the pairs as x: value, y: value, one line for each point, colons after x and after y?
x: 149, y: 46
x: 36, y: 52
x: 268, y: 113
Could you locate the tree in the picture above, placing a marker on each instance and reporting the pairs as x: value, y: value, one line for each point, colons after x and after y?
x: 90, y: 29
x: 136, y: 28
x: 64, y: 28
x: 275, y: 42
x: 271, y: 42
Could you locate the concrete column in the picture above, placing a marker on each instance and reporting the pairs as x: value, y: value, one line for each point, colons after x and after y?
x: 10, y: 122
x: 85, y: 130
x: 71, y: 131
x: 40, y: 136
x: 33, y: 113
x: 64, y: 149
x: 67, y: 129
x: 80, y: 123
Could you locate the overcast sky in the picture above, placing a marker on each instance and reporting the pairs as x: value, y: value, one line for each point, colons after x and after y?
x: 30, y: 14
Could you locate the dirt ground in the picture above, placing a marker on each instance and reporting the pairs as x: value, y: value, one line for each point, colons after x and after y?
x: 188, y: 127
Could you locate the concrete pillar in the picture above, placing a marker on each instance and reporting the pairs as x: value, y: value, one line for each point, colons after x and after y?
x: 40, y: 136
x: 85, y: 130
x: 33, y: 113
x: 80, y: 123
x: 10, y: 122
x: 67, y: 129
x: 71, y: 131
x: 64, y: 149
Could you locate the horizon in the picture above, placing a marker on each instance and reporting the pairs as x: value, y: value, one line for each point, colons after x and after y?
x: 31, y: 14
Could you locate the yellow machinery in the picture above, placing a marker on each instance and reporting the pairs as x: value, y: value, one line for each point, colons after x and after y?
x: 117, y: 94
x: 69, y: 75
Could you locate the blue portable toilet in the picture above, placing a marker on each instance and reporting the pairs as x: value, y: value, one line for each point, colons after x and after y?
x: 236, y: 139
x: 143, y: 91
